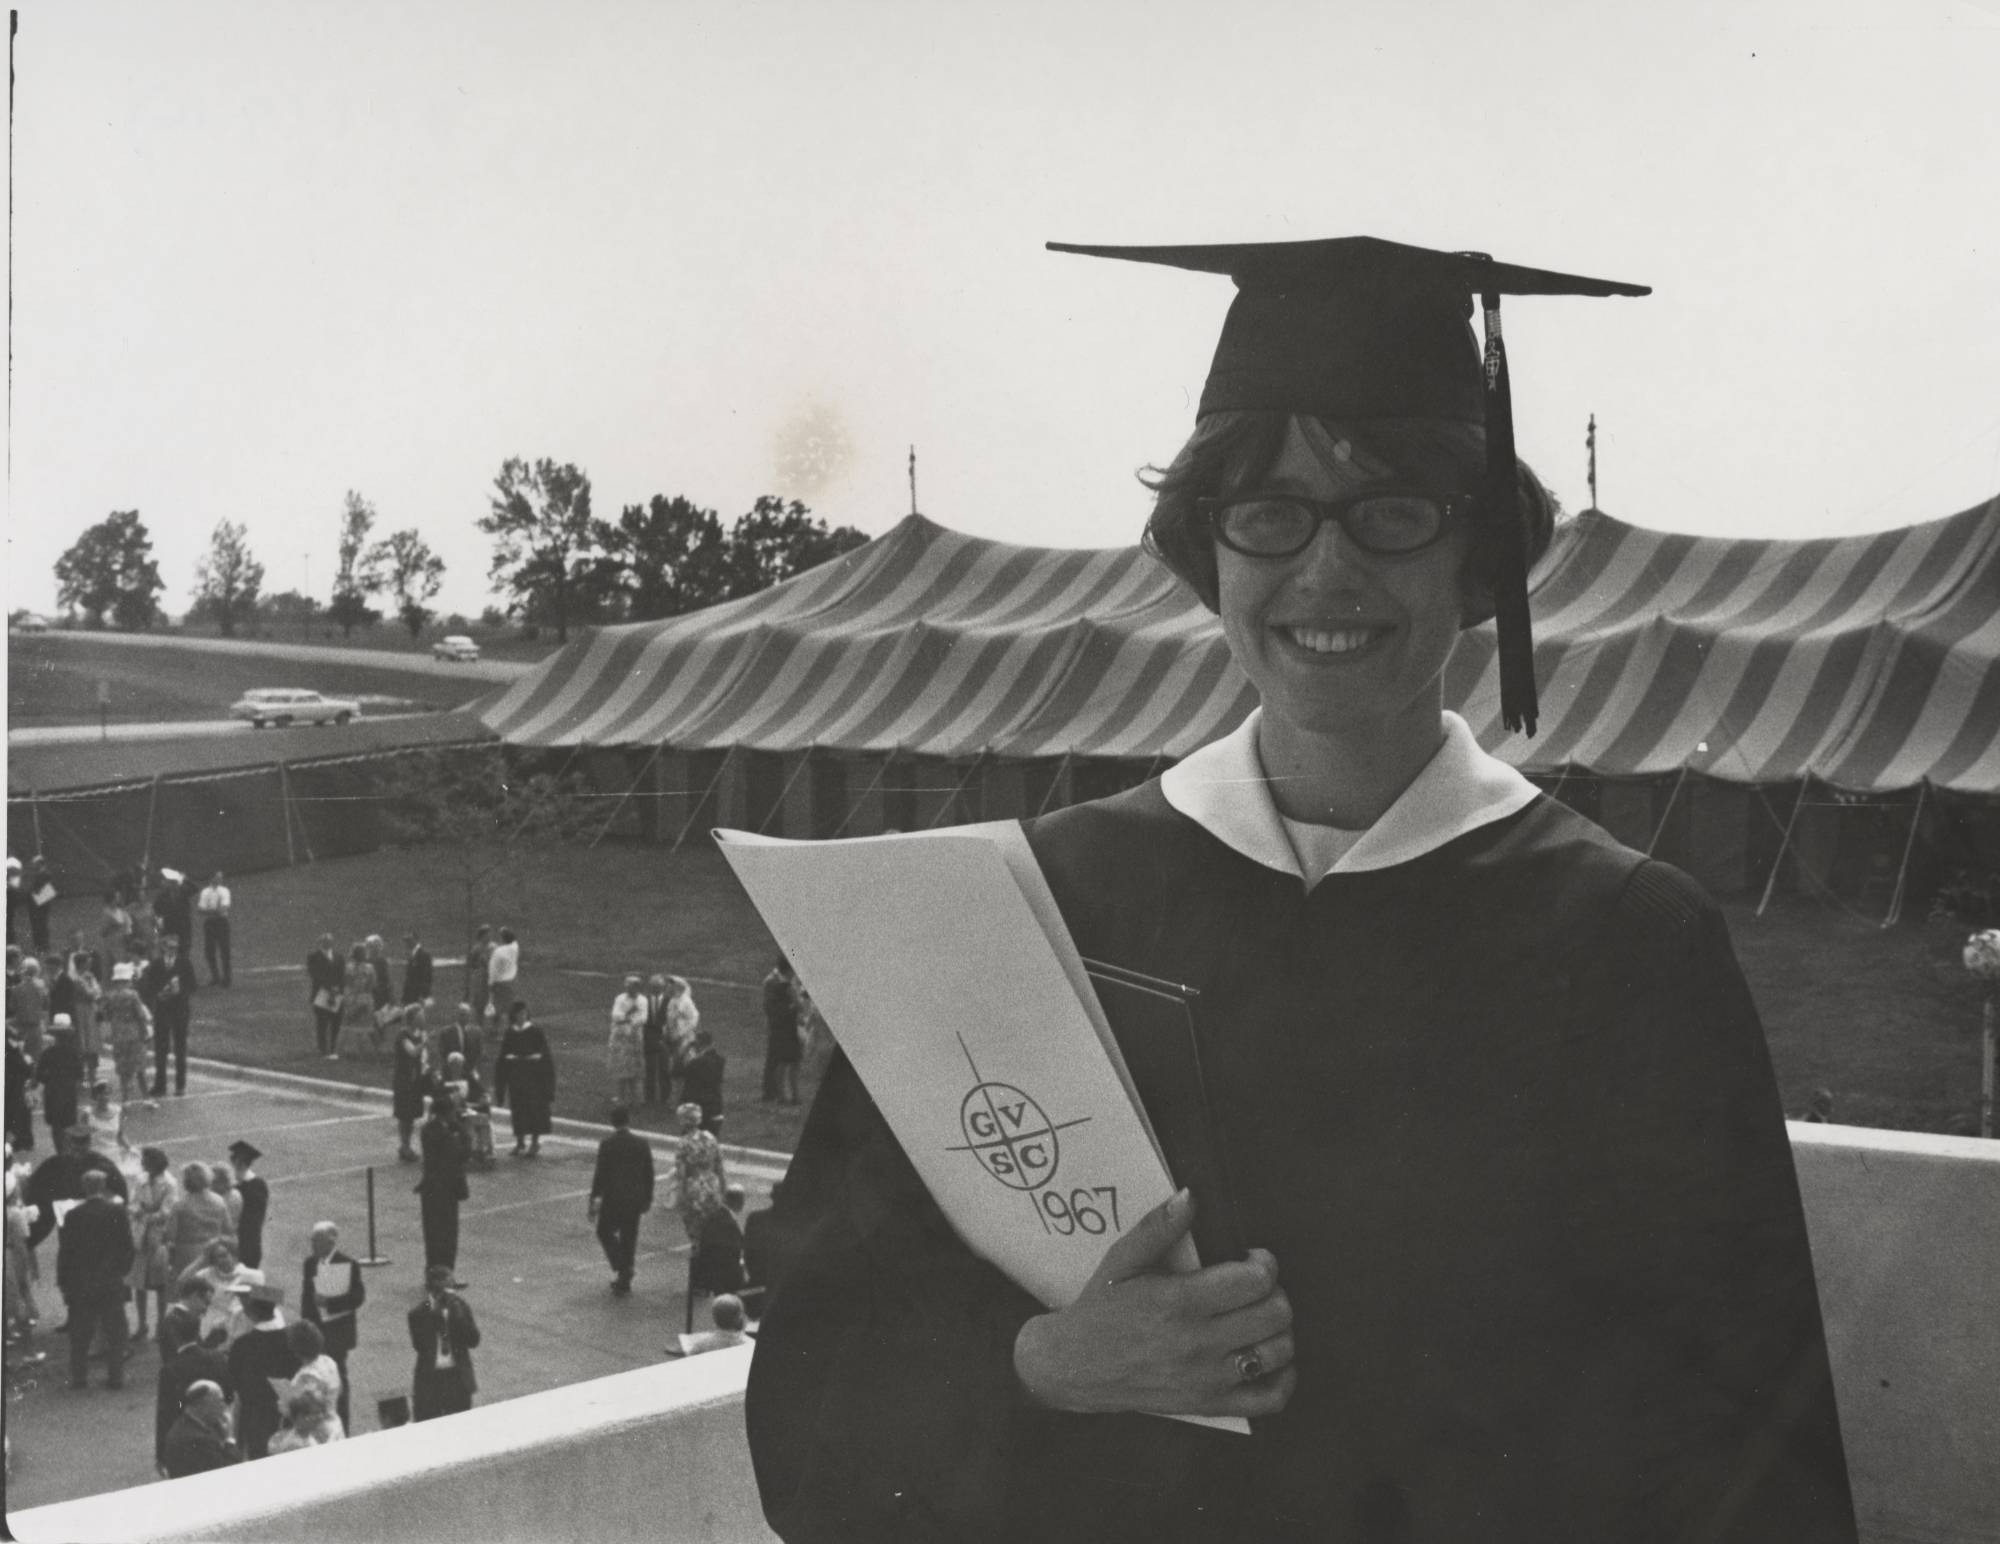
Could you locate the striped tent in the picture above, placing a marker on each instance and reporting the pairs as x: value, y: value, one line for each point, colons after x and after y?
x: 1869, y: 663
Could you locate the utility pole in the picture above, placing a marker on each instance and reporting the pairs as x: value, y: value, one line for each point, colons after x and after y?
x: 1590, y: 444
x: 913, y: 479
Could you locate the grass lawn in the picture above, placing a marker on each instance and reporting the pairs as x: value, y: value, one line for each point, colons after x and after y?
x: 1884, y: 1019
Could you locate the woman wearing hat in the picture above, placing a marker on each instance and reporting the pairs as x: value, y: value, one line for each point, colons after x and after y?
x: 1523, y: 1255
x: 129, y: 1024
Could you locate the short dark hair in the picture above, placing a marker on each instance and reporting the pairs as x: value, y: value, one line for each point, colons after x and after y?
x: 1237, y: 449
x: 620, y: 1116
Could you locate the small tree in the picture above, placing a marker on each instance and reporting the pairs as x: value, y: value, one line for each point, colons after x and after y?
x: 545, y: 544
x: 777, y: 540
x: 226, y: 582
x: 288, y: 609
x: 670, y: 556
x: 479, y: 815
x: 411, y: 572
x: 110, y: 571
x: 354, y: 577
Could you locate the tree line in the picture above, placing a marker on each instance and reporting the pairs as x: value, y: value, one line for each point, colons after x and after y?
x: 556, y: 562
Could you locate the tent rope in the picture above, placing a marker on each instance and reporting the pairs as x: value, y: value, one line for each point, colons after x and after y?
x: 1778, y: 858
x: 638, y: 778
x: 1660, y: 829
x: 1054, y: 783
x: 1903, y: 868
x: 873, y: 783
x: 777, y: 809
x: 945, y: 807
x: 702, y: 803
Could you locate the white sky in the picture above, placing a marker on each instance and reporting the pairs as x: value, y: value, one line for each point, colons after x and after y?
x: 267, y: 252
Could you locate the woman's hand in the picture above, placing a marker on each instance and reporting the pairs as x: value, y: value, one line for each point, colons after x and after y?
x: 1140, y: 1337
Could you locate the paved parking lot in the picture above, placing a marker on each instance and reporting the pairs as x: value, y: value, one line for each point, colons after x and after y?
x: 535, y: 1276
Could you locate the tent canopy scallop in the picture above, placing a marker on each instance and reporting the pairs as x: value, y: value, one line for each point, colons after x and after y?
x: 1871, y: 663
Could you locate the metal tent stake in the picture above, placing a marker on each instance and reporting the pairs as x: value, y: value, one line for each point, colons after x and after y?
x: 372, y: 1258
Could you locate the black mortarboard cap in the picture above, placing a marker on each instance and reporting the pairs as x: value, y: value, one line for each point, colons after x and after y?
x: 1358, y: 328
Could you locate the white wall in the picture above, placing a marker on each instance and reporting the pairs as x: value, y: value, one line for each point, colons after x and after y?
x: 1906, y: 1242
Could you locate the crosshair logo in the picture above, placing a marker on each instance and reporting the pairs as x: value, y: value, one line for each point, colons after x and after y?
x: 1008, y: 1132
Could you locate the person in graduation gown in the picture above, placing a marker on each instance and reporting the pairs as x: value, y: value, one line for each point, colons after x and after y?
x: 524, y: 1079
x: 256, y: 1193
x: 258, y: 1357
x: 1526, y: 1257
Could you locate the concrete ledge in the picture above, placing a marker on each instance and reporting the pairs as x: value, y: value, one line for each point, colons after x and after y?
x: 652, y: 1454
x: 1906, y: 1247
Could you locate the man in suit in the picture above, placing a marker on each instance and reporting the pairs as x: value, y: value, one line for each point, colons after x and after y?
x: 331, y: 1297
x: 199, y: 1440
x: 621, y: 1191
x: 326, y: 977
x: 659, y: 1072
x: 463, y: 1036
x: 443, y: 1334
x: 417, y: 970
x: 701, y: 1080
x: 442, y: 1187
x: 256, y: 1193
x: 93, y: 1261
x: 257, y: 1356
x: 168, y: 986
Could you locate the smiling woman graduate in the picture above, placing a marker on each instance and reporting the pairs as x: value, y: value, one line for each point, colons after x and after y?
x: 1527, y: 1256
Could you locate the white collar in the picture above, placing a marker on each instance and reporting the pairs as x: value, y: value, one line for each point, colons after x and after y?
x: 1222, y: 788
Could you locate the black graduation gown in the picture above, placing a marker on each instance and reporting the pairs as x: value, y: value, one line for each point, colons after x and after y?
x: 1505, y: 1117
x: 256, y: 1193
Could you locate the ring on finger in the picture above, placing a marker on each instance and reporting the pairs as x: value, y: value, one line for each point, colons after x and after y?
x: 1249, y: 1365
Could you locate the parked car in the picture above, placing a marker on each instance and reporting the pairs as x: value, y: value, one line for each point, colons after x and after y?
x: 283, y: 705
x: 456, y: 646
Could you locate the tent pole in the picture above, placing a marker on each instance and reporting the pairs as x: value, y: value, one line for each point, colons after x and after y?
x: 285, y: 804
x: 1903, y: 868
x: 778, y: 809
x: 1778, y: 858
x: 35, y: 817
x: 695, y: 813
x: 1055, y: 782
x: 146, y: 853
x: 1660, y: 829
x: 873, y: 783
x: 644, y: 767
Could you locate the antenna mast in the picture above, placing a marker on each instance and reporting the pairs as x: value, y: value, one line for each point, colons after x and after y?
x: 913, y: 479
x: 1590, y: 444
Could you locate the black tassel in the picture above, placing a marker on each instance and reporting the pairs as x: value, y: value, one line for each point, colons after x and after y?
x: 1506, y: 539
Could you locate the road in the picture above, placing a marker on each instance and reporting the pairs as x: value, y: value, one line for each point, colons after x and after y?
x: 84, y: 734
x: 305, y: 653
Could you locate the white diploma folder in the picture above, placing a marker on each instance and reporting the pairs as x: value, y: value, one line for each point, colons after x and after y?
x: 946, y: 974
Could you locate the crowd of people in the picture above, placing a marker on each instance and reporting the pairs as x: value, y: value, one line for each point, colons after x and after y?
x: 150, y: 1249
x: 89, y: 1012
